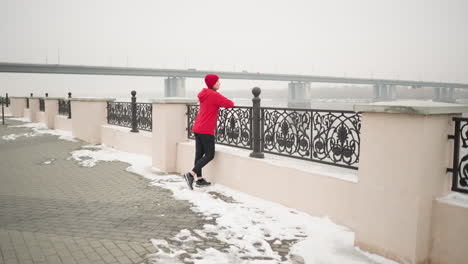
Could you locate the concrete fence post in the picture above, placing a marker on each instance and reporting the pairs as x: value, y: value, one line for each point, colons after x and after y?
x: 31, y: 113
x: 169, y: 128
x: 17, y: 106
x: 89, y: 114
x: 51, y: 111
x: 402, y: 169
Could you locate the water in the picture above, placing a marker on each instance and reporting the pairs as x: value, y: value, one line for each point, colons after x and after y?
x: 324, y: 104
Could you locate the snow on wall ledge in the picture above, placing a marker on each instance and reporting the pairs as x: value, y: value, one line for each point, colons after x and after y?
x: 314, y: 188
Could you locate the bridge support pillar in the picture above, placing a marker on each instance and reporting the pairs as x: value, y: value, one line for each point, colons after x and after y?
x: 174, y: 87
x: 299, y: 94
x: 444, y: 95
x: 384, y: 92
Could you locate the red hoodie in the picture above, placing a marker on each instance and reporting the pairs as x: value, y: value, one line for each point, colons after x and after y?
x: 210, y: 102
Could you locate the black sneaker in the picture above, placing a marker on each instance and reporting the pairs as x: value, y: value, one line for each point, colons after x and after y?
x: 189, y: 179
x: 202, y: 183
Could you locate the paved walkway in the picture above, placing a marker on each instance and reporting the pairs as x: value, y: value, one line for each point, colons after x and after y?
x: 52, y: 210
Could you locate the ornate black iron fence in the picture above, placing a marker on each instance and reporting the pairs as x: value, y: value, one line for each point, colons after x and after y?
x: 63, y: 107
x: 119, y: 114
x: 134, y: 115
x: 460, y: 155
x: 234, y: 126
x: 325, y: 136
x: 331, y: 137
x: 41, y: 105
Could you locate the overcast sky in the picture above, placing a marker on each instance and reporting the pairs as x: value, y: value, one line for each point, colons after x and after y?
x: 404, y: 39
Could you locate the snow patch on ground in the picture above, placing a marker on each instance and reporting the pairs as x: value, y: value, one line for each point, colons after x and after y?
x: 20, y: 119
x: 247, y: 224
x: 48, y: 162
x: 454, y: 198
x: 16, y: 136
x: 40, y: 129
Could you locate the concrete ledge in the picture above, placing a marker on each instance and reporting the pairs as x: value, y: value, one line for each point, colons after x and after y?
x: 92, y: 99
x: 412, y: 107
x: 174, y: 100
x: 27, y: 114
x: 317, y: 189
x: 41, y: 117
x: 63, y: 123
x: 122, y: 139
x: 449, y: 229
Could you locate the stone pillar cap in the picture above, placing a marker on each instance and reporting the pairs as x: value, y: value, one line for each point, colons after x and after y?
x: 174, y: 100
x: 415, y: 107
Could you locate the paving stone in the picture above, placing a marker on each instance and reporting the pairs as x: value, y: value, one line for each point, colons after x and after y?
x: 65, y: 213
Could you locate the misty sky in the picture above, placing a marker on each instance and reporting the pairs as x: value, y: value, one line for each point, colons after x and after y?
x: 404, y: 39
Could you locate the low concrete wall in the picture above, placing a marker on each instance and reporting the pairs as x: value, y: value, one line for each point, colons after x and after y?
x: 27, y: 114
x: 310, y: 187
x: 122, y: 139
x: 63, y: 123
x: 18, y: 104
x: 41, y: 117
x: 88, y: 115
x: 449, y: 233
x: 33, y: 108
x: 51, y: 111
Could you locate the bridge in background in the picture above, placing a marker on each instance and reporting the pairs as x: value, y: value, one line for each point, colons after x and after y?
x: 299, y: 85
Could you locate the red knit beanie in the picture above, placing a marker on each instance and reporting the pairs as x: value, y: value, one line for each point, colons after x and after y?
x: 210, y: 80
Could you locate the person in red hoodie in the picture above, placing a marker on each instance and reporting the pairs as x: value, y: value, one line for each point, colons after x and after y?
x: 204, y: 128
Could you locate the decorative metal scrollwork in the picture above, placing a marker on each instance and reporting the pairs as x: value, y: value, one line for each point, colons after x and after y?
x: 144, y: 116
x: 462, y: 168
x: 119, y: 114
x: 336, y: 137
x: 41, y: 105
x: 192, y: 112
x: 63, y: 107
x: 330, y: 137
x: 235, y: 127
x: 286, y: 132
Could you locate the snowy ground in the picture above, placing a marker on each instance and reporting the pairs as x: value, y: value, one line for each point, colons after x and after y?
x: 38, y: 129
x: 250, y: 226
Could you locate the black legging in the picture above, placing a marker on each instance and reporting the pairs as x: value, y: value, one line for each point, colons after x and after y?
x: 204, y: 151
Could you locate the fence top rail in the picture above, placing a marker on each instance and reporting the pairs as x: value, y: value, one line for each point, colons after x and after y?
x: 54, y: 98
x: 297, y: 109
x: 113, y: 102
x: 460, y: 119
x: 244, y: 107
x: 110, y: 102
x: 310, y: 110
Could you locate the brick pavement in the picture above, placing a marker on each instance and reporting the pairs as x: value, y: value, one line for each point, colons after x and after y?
x: 64, y: 213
